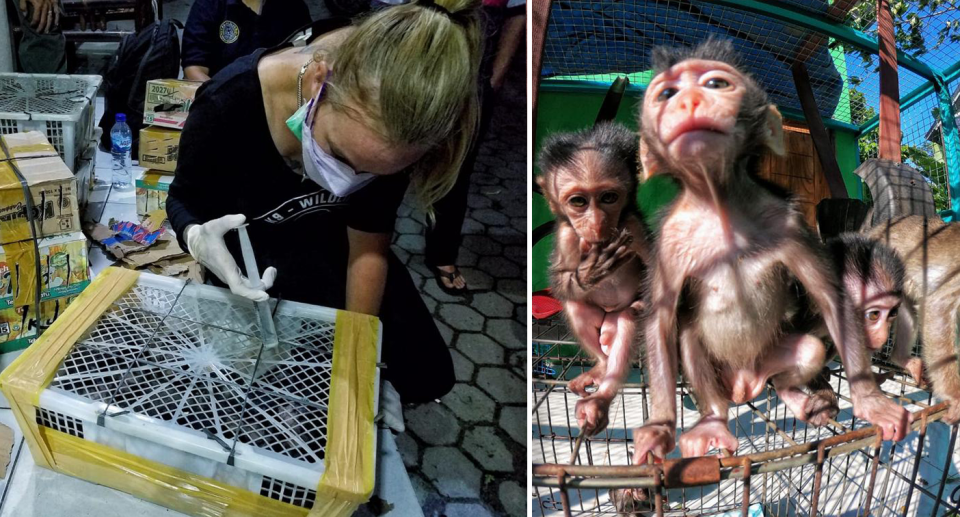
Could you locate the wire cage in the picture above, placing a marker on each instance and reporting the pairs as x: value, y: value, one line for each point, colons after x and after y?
x: 589, y: 44
x: 782, y: 467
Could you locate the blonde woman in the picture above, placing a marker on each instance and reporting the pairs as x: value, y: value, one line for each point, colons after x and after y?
x: 314, y: 149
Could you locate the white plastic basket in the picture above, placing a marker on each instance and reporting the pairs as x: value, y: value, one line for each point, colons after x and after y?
x: 59, y: 106
x: 86, y: 169
x: 173, y: 372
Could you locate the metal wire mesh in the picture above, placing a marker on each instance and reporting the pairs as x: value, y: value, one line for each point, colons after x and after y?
x: 598, y: 41
x: 917, y: 476
x: 196, y: 361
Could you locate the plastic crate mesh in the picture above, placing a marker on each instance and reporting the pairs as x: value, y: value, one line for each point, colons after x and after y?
x: 199, y: 363
x: 48, y: 96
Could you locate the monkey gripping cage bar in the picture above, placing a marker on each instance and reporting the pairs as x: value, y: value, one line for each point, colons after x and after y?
x: 781, y: 467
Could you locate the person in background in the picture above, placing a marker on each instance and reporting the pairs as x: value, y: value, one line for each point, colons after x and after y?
x: 42, y: 48
x: 315, y: 148
x: 504, y: 23
x: 220, y: 31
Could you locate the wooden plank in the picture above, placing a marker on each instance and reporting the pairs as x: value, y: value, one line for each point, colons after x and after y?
x: 821, y: 139
x: 889, y: 145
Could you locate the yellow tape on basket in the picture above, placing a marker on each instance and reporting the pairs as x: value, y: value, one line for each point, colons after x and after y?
x: 347, y: 480
x: 32, y: 372
x: 167, y: 486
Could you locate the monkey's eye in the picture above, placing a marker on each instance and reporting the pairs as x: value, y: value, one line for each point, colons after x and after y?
x: 892, y: 314
x: 873, y: 315
x: 666, y: 93
x: 609, y: 198
x: 577, y: 201
x: 717, y: 84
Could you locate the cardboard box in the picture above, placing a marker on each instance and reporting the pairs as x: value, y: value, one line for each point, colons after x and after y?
x: 64, y: 269
x: 52, y: 187
x: 18, y: 325
x: 168, y: 101
x: 18, y: 328
x: 159, y: 148
x: 152, y: 192
x: 51, y: 309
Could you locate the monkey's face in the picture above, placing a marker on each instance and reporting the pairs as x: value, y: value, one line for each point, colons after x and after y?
x: 692, y: 120
x: 592, y: 202
x: 693, y: 108
x: 879, y: 305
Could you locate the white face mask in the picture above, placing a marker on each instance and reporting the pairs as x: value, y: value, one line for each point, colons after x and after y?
x: 327, y: 171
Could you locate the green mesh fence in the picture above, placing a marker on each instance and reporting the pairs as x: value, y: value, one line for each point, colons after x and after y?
x: 592, y: 43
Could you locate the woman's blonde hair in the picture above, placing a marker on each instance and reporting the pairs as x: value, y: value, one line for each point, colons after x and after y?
x: 411, y: 71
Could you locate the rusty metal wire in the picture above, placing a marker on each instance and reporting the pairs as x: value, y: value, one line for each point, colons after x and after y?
x: 782, y: 467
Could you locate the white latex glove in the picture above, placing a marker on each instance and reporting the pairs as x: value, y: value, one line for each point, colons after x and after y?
x: 391, y: 412
x: 205, y: 243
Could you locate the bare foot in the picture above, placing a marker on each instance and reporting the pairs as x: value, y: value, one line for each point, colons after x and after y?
x: 710, y: 432
x: 914, y: 367
x: 656, y: 439
x: 591, y: 377
x: 820, y: 408
x: 953, y: 413
x: 592, y: 413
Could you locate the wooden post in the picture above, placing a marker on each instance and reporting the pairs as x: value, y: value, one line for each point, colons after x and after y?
x: 821, y: 139
x: 889, y: 144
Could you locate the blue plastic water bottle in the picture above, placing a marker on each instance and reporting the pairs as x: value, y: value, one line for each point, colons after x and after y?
x: 122, y: 140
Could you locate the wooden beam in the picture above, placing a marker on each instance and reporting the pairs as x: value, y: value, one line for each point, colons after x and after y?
x: 889, y: 144
x: 821, y: 139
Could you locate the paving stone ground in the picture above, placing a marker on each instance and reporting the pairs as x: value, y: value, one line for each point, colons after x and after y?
x: 466, y: 454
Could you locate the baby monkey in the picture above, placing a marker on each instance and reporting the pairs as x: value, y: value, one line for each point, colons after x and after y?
x: 589, y: 180
x: 726, y: 258
x: 871, y: 279
x: 929, y: 249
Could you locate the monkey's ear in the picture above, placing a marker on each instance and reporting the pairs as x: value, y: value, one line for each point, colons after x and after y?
x: 647, y: 161
x: 773, y: 135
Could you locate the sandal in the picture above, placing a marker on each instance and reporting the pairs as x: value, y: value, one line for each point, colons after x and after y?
x: 450, y: 276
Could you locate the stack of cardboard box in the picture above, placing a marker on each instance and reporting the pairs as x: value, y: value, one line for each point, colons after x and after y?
x: 53, y: 252
x: 165, y: 109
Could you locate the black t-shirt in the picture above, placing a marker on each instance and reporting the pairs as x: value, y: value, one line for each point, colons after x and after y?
x: 220, y: 31
x: 229, y: 164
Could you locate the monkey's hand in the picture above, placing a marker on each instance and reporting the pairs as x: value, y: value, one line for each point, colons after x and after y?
x: 711, y: 432
x: 657, y: 439
x: 592, y: 412
x: 601, y: 260
x: 592, y: 377
x: 890, y: 417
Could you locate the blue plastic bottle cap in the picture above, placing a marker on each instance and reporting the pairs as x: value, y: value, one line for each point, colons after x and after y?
x: 121, y: 117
